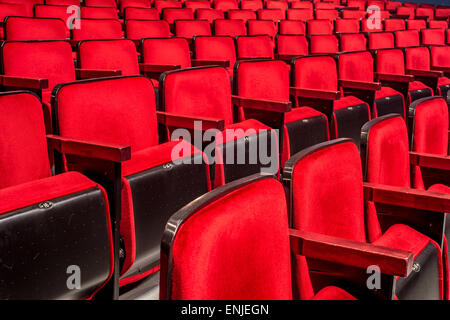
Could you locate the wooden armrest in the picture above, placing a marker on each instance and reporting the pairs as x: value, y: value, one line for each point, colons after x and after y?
x: 407, y: 197
x: 93, y: 73
x: 430, y: 160
x: 443, y: 69
x: 259, y: 104
x: 361, y: 85
x: 393, y: 77
x: 89, y: 149
x: 351, y: 253
x: 316, y: 94
x: 425, y: 73
x: 22, y: 82
x: 200, y: 63
x: 158, y: 67
x: 187, y: 122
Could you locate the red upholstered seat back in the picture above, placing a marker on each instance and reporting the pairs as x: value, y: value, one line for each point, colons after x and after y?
x: 325, y: 43
x: 98, y: 29
x: 201, y: 92
x: 232, y: 28
x: 162, y: 4
x: 328, y: 198
x: 172, y: 14
x: 236, y: 247
x: 381, y: 40
x: 416, y: 24
x: 347, y: 25
x: 283, y: 5
x: 14, y: 9
x: 434, y: 24
x: 301, y: 14
x: 254, y: 47
x: 118, y: 111
x: 251, y: 4
x: 271, y: 14
x: 292, y: 45
x: 50, y: 60
x: 386, y: 154
x: 191, y: 28
x: 23, y: 145
x: 292, y: 27
x: 433, y: 36
x: 141, y: 13
x: 99, y: 13
x: 315, y: 73
x: 262, y: 80
x: 100, y: 3
x: 139, y: 29
x: 135, y: 3
x: 196, y: 4
x: 64, y: 2
x: 51, y: 11
x: 406, y: 11
x: 260, y: 27
x: 109, y: 55
x: 323, y: 26
x: 407, y: 38
x: 329, y: 14
x: 215, y: 48
x: 430, y: 126
x: 166, y: 51
x: 356, y: 66
x: 353, y: 42
x: 24, y: 28
x: 353, y: 14
x: 394, y: 25
x: 302, y: 5
x: 418, y: 58
x: 225, y: 5
x: 244, y: 14
x: 209, y: 14
x: 440, y: 56
x: 390, y: 61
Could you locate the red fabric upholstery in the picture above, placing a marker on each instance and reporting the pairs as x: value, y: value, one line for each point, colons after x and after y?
x: 216, y: 48
x: 16, y: 145
x: 225, y: 5
x: 430, y: 131
x: 98, y: 13
x: 251, y: 4
x: 381, y: 40
x: 138, y: 29
x: 418, y: 58
x: 109, y: 55
x: 353, y: 14
x: 135, y: 3
x: 260, y: 27
x: 206, y: 264
x: 189, y: 93
x: 172, y: 14
x: 356, y: 66
x: 23, y: 28
x: 319, y: 27
x: 64, y: 2
x: 98, y: 29
x: 315, y: 73
x: 254, y: 47
x: 403, y: 11
x: 271, y: 14
x: 292, y: 45
x: 394, y: 25
x: 243, y: 14
x: 433, y: 36
x: 425, y: 12
x: 347, y: 25
x: 170, y: 51
x: 100, y: 3
x: 160, y: 4
x: 333, y: 293
x: 230, y: 28
x: 388, y: 153
x: 416, y: 24
x: 437, y: 24
x: 302, y: 5
x: 390, y: 61
x: 197, y: 4
x: 191, y: 28
x: 50, y: 60
x: 51, y: 11
x: 301, y: 14
x: 407, y: 38
x: 353, y: 42
x: 327, y: 14
x: 15, y: 9
x: 291, y: 27
x: 283, y: 5
x: 440, y: 188
x: 141, y: 13
x: 440, y: 56
x: 320, y: 44
x: 209, y: 14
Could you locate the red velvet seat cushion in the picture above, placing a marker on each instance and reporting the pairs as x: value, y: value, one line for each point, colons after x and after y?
x: 346, y: 102
x: 386, y: 92
x: 439, y: 188
x: 171, y: 51
x: 34, y: 192
x: 417, y: 85
x: 333, y: 293
x: 443, y: 81
x: 235, y: 249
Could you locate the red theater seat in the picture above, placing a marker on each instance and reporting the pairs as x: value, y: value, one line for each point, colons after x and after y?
x: 162, y: 4
x: 340, y: 207
x: 209, y: 14
x: 99, y: 13
x: 381, y: 40
x: 217, y: 50
x: 230, y: 28
x: 290, y: 46
x: 440, y: 61
x: 431, y: 37
x: 197, y: 4
x: 407, y: 38
x: 394, y: 25
x: 326, y: 14
x: 291, y: 27
x: 323, y: 44
x: 49, y: 221
x: 147, y: 181
x: 100, y: 3
x: 97, y: 29
x: 262, y: 27
x: 241, y: 14
x: 255, y: 262
x: 225, y: 5
x: 416, y: 24
x: 271, y: 14
x: 316, y: 77
x: 352, y: 42
x: 254, y: 47
x: 139, y: 29
x: 123, y: 4
x: 319, y: 27
x: 347, y: 26
x: 191, y: 28
x: 26, y: 28
x: 172, y: 14
x: 299, y: 14
x: 253, y: 5
x: 132, y: 13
